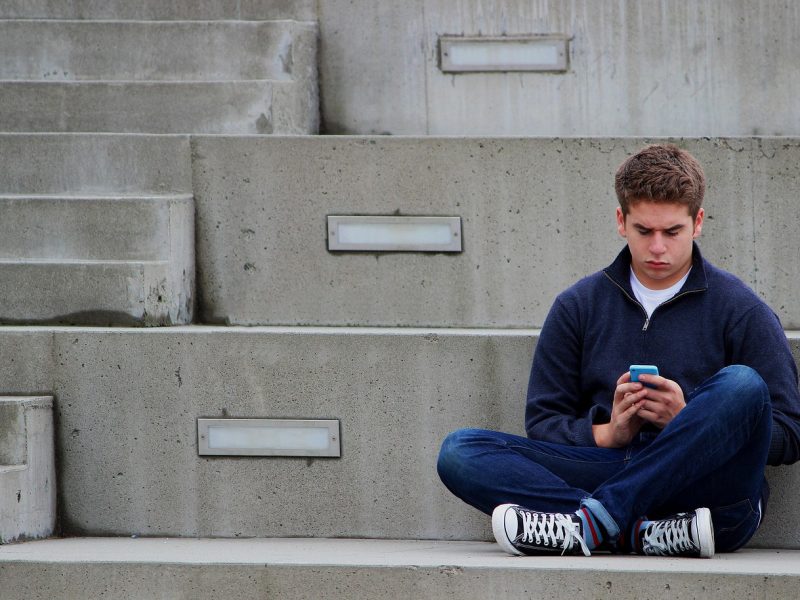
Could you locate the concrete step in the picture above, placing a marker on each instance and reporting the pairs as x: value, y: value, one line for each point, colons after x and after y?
x: 346, y: 568
x: 537, y: 215
x: 85, y: 227
x: 95, y: 164
x: 229, y: 107
x: 129, y: 400
x: 143, y: 10
x: 94, y: 292
x: 97, y: 260
x: 234, y: 77
x: 40, y: 50
x: 27, y: 468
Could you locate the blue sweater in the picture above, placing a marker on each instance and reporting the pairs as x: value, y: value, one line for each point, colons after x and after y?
x: 597, y: 328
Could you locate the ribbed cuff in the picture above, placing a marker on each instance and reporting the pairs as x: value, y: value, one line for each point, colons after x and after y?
x: 777, y: 445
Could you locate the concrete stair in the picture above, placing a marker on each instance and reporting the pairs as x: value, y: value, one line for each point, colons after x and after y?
x: 131, y: 126
x: 344, y: 569
x: 218, y: 76
x: 537, y: 215
x: 27, y: 468
x: 82, y: 246
x: 158, y: 10
x: 128, y: 401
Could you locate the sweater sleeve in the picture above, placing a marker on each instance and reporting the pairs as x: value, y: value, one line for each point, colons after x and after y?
x: 555, y: 411
x: 758, y: 341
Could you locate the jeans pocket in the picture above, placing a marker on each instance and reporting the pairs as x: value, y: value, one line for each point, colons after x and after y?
x: 734, y: 525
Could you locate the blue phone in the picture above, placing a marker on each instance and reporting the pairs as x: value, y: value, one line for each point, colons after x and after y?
x: 637, y: 370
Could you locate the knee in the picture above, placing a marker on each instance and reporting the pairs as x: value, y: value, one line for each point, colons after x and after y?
x: 453, y: 452
x: 745, y: 388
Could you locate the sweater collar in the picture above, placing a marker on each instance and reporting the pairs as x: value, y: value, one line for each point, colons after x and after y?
x: 620, y: 271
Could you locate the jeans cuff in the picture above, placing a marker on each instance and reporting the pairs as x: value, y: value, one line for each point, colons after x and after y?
x: 601, y: 514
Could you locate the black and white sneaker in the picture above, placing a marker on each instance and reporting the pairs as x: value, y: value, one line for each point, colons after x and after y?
x: 688, y: 534
x: 521, y: 531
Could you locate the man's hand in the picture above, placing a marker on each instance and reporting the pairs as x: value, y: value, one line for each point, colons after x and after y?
x: 662, y: 402
x: 629, y: 399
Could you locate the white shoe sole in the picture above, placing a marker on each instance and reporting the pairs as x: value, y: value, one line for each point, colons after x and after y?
x: 705, y: 532
x: 504, y: 527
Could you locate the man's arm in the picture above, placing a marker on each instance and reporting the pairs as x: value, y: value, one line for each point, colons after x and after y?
x: 758, y: 341
x: 555, y: 410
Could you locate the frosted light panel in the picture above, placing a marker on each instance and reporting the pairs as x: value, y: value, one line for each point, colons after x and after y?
x: 394, y: 234
x: 268, y: 437
x: 485, y: 54
x: 497, y: 53
x: 275, y: 438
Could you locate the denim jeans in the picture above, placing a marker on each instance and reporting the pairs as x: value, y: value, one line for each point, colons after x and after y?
x: 711, y: 455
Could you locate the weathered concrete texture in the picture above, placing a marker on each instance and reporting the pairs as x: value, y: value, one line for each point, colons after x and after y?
x: 698, y: 67
x: 146, y: 50
x: 159, y: 76
x: 27, y: 468
x: 344, y: 569
x: 97, y: 261
x: 127, y: 437
x: 94, y: 164
x: 244, y: 107
x: 128, y: 406
x: 93, y: 227
x: 93, y: 292
x: 537, y: 215
x: 262, y: 10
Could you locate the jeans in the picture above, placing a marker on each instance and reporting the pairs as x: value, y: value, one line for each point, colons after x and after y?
x: 711, y: 455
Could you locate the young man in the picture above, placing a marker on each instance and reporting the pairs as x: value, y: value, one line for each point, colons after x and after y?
x: 671, y: 465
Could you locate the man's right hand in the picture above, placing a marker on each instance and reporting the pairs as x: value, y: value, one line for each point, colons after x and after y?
x: 625, y: 421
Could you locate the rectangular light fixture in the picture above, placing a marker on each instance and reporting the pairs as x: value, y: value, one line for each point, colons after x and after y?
x: 487, y: 54
x: 268, y: 437
x: 394, y: 234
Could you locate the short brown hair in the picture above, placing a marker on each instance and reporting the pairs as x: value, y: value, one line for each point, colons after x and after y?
x: 661, y: 173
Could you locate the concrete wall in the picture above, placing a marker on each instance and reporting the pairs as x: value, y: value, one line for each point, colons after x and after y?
x: 301, y: 10
x: 537, y: 215
x: 127, y: 401
x: 27, y: 468
x: 685, y: 68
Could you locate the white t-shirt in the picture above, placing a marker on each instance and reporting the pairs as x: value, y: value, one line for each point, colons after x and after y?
x: 650, y: 299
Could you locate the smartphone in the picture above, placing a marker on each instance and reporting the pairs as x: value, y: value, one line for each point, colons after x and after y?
x: 637, y: 370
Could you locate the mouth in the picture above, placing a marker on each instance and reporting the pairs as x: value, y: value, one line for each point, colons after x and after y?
x: 656, y: 264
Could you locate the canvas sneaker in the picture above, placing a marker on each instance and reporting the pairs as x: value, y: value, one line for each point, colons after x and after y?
x: 685, y: 534
x: 521, y: 531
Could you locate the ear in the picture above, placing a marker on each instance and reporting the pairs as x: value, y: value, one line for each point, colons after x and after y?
x: 621, y: 222
x: 698, y: 224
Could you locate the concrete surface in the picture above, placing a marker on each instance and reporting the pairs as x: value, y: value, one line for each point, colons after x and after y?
x: 693, y: 68
x: 27, y: 468
x: 94, y: 292
x: 97, y: 260
x: 98, y: 164
x: 537, y: 215
x: 87, y: 227
x: 41, y: 50
x: 263, y: 10
x: 247, y: 107
x: 127, y: 436
x: 234, y: 77
x: 346, y: 568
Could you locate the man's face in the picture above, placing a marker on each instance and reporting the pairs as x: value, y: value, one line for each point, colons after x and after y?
x: 659, y: 236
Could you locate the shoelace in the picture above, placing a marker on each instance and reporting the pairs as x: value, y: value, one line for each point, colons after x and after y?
x: 668, y: 537
x: 548, y: 529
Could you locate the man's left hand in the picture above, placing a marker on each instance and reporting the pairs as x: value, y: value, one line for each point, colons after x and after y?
x: 662, y: 402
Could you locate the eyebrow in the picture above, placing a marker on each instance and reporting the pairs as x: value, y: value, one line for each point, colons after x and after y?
x: 672, y: 229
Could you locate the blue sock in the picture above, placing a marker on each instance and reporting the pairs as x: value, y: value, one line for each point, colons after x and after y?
x: 592, y: 533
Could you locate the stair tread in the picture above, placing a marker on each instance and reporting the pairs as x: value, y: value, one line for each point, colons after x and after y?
x: 373, y: 553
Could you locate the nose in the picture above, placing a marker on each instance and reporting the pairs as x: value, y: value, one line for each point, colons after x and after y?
x: 657, y: 245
